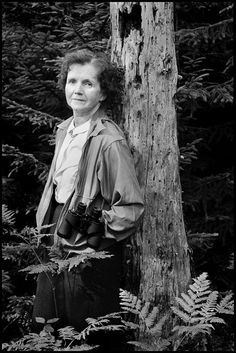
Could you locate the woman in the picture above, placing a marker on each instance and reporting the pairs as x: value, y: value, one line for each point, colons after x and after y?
x: 92, y: 165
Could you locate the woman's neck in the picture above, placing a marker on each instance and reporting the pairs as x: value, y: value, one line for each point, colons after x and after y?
x: 81, y: 119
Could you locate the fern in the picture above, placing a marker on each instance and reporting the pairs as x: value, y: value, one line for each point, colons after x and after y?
x: 8, y: 217
x: 226, y: 305
x: 157, y: 345
x: 129, y: 302
x: 56, y: 266
x: 7, y: 286
x: 83, y: 257
x: 18, y: 310
x: 102, y: 323
x: 33, y: 341
x: 198, y: 310
x: 148, y: 316
x: 150, y: 325
x: 46, y: 341
x: 39, y: 268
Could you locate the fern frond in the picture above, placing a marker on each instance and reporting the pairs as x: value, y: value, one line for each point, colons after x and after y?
x: 129, y: 302
x: 201, y: 280
x: 7, y: 286
x: 8, y: 216
x: 81, y: 348
x: 12, y: 252
x: 198, y: 309
x: 157, y: 346
x: 152, y: 317
x: 184, y: 305
x: 199, y: 291
x: 193, y: 330
x: 217, y: 320
x: 231, y: 262
x: 192, y: 295
x: 188, y: 299
x: 33, y: 342
x: 35, y: 269
x: 145, y: 310
x: 67, y: 332
x: 142, y: 345
x: 83, y: 257
x: 101, y: 323
x: 208, y: 308
x: 62, y: 265
x: 186, y: 318
x: 202, y: 298
x: 226, y: 305
x: 130, y: 324
x: 157, y: 328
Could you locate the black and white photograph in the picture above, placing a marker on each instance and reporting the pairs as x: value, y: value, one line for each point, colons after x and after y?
x: 117, y: 176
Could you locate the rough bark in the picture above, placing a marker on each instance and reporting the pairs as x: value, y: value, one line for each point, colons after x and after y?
x: 143, y: 43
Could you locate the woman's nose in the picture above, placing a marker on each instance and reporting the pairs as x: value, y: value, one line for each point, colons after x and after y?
x: 78, y: 88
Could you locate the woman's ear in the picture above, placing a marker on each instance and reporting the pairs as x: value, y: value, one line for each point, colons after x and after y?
x: 103, y: 97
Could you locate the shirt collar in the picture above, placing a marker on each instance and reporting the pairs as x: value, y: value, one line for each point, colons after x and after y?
x: 96, y: 123
x: 79, y: 129
x: 69, y: 123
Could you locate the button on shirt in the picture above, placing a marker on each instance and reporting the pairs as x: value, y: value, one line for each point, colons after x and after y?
x: 68, y: 160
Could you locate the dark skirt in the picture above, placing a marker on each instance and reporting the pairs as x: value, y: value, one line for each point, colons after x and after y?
x: 84, y: 291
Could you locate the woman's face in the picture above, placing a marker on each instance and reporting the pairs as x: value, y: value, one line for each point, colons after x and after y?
x: 82, y: 90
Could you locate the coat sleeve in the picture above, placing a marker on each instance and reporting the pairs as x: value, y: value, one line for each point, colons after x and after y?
x: 121, y: 190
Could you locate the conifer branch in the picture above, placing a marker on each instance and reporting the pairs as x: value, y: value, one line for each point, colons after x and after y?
x: 23, y: 112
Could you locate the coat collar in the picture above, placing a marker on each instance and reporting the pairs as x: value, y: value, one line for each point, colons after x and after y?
x: 96, y: 122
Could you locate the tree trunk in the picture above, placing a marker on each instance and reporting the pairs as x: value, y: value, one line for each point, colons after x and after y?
x: 143, y: 43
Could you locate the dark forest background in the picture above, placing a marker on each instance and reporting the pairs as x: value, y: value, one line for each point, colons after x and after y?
x: 35, y: 37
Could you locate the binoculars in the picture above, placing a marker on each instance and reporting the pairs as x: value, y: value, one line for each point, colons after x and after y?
x: 87, y: 224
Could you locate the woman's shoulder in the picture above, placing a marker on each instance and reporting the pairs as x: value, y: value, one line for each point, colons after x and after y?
x: 111, y: 128
x: 108, y: 133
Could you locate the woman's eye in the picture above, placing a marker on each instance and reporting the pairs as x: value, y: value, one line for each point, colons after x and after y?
x: 87, y: 83
x: 71, y: 80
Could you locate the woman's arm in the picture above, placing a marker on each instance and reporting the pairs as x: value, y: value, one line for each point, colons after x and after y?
x: 120, y: 188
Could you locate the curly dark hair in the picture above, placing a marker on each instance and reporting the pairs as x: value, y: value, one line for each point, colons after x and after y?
x: 110, y: 77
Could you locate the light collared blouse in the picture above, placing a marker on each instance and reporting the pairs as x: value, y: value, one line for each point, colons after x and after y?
x: 68, y: 160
